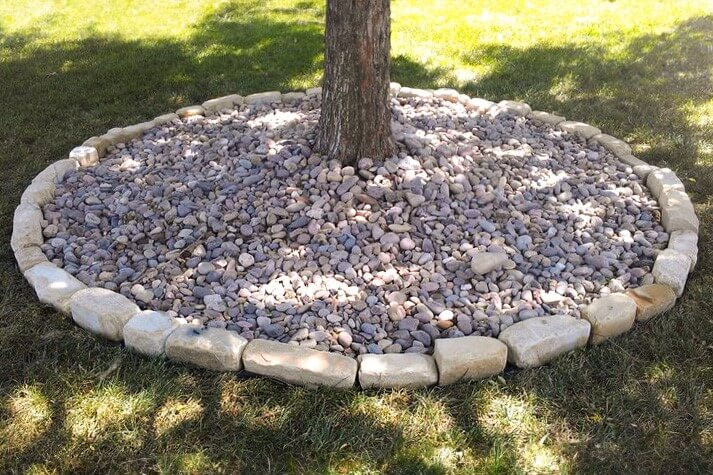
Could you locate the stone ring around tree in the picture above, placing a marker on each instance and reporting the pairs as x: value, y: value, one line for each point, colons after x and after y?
x: 495, y: 234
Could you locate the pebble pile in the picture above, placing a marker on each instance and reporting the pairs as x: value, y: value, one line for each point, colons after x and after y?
x: 481, y: 220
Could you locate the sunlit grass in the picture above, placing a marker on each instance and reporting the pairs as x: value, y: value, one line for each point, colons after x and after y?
x: 514, y: 422
x: 173, y: 413
x: 28, y: 417
x: 109, y: 413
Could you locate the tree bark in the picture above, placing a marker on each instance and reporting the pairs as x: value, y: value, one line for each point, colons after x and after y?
x: 355, y: 120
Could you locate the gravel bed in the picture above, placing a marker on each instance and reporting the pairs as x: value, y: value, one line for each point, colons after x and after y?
x: 479, y: 222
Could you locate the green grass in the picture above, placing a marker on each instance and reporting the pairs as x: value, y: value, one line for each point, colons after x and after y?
x: 639, y: 69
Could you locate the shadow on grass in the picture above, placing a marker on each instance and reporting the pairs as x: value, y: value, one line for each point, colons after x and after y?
x: 645, y: 93
x: 638, y: 403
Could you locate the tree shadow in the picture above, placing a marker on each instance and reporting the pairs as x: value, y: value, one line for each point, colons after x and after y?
x: 645, y: 93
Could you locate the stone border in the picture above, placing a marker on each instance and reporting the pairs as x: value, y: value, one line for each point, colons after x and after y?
x: 526, y: 344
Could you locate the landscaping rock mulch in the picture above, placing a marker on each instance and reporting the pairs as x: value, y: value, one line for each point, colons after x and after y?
x: 481, y: 220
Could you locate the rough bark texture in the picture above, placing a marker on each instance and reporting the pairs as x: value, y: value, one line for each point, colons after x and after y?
x: 355, y: 120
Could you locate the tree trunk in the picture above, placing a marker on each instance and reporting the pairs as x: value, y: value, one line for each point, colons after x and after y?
x: 355, y: 120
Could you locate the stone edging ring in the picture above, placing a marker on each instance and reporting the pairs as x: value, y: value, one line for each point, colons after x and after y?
x: 248, y: 252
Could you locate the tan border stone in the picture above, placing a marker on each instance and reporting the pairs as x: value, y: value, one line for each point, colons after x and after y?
x: 539, y: 340
x: 268, y: 97
x: 220, y: 103
x: 479, y: 105
x: 631, y: 160
x: 84, y: 155
x: 643, y: 171
x: 662, y: 179
x: 547, y: 118
x: 398, y: 370
x: 685, y: 241
x: 450, y: 95
x: 28, y: 257
x: 677, y: 212
x: 146, y: 332
x: 98, y: 143
x: 64, y: 166
x: 314, y: 91
x: 165, y: 119
x: 581, y: 129
x: 189, y: 111
x: 618, y: 147
x: 102, y: 311
x: 210, y: 348
x: 414, y: 92
x: 468, y: 358
x: 53, y: 286
x: 299, y: 365
x: 26, y: 227
x: 671, y: 268
x: 652, y: 300
x: 610, y: 316
x: 39, y: 192
x: 512, y: 108
x: 293, y: 97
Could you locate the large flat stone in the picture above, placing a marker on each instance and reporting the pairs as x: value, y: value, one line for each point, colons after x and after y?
x: 468, y: 358
x: 102, y: 311
x: 85, y: 156
x: 609, y: 316
x: 299, y: 365
x: 671, y: 268
x: 53, y: 286
x: 663, y: 179
x: 38, y: 192
x: 652, y: 300
x: 685, y: 242
x: 165, y: 119
x: 116, y: 135
x: 512, y: 108
x: 48, y: 174
x: 293, y: 97
x: 26, y: 227
x: 220, y: 103
x: 402, y: 370
x: 137, y: 130
x: 314, y: 91
x: 210, y: 348
x: 98, y: 143
x: 677, y: 212
x: 268, y: 97
x: 479, y: 104
x: 581, y: 129
x: 414, y: 92
x: 539, y: 340
x: 643, y: 171
x: 546, y: 117
x: 189, y: 111
x: 65, y: 166
x: 146, y: 332
x: 27, y: 257
x: 446, y: 94
x: 618, y: 147
x: 632, y: 161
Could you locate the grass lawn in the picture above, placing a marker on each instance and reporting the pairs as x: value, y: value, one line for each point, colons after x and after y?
x: 641, y: 70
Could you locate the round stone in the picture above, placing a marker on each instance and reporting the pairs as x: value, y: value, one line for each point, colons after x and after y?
x: 246, y: 260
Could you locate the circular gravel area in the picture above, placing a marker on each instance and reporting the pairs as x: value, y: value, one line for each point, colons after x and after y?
x: 481, y: 221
